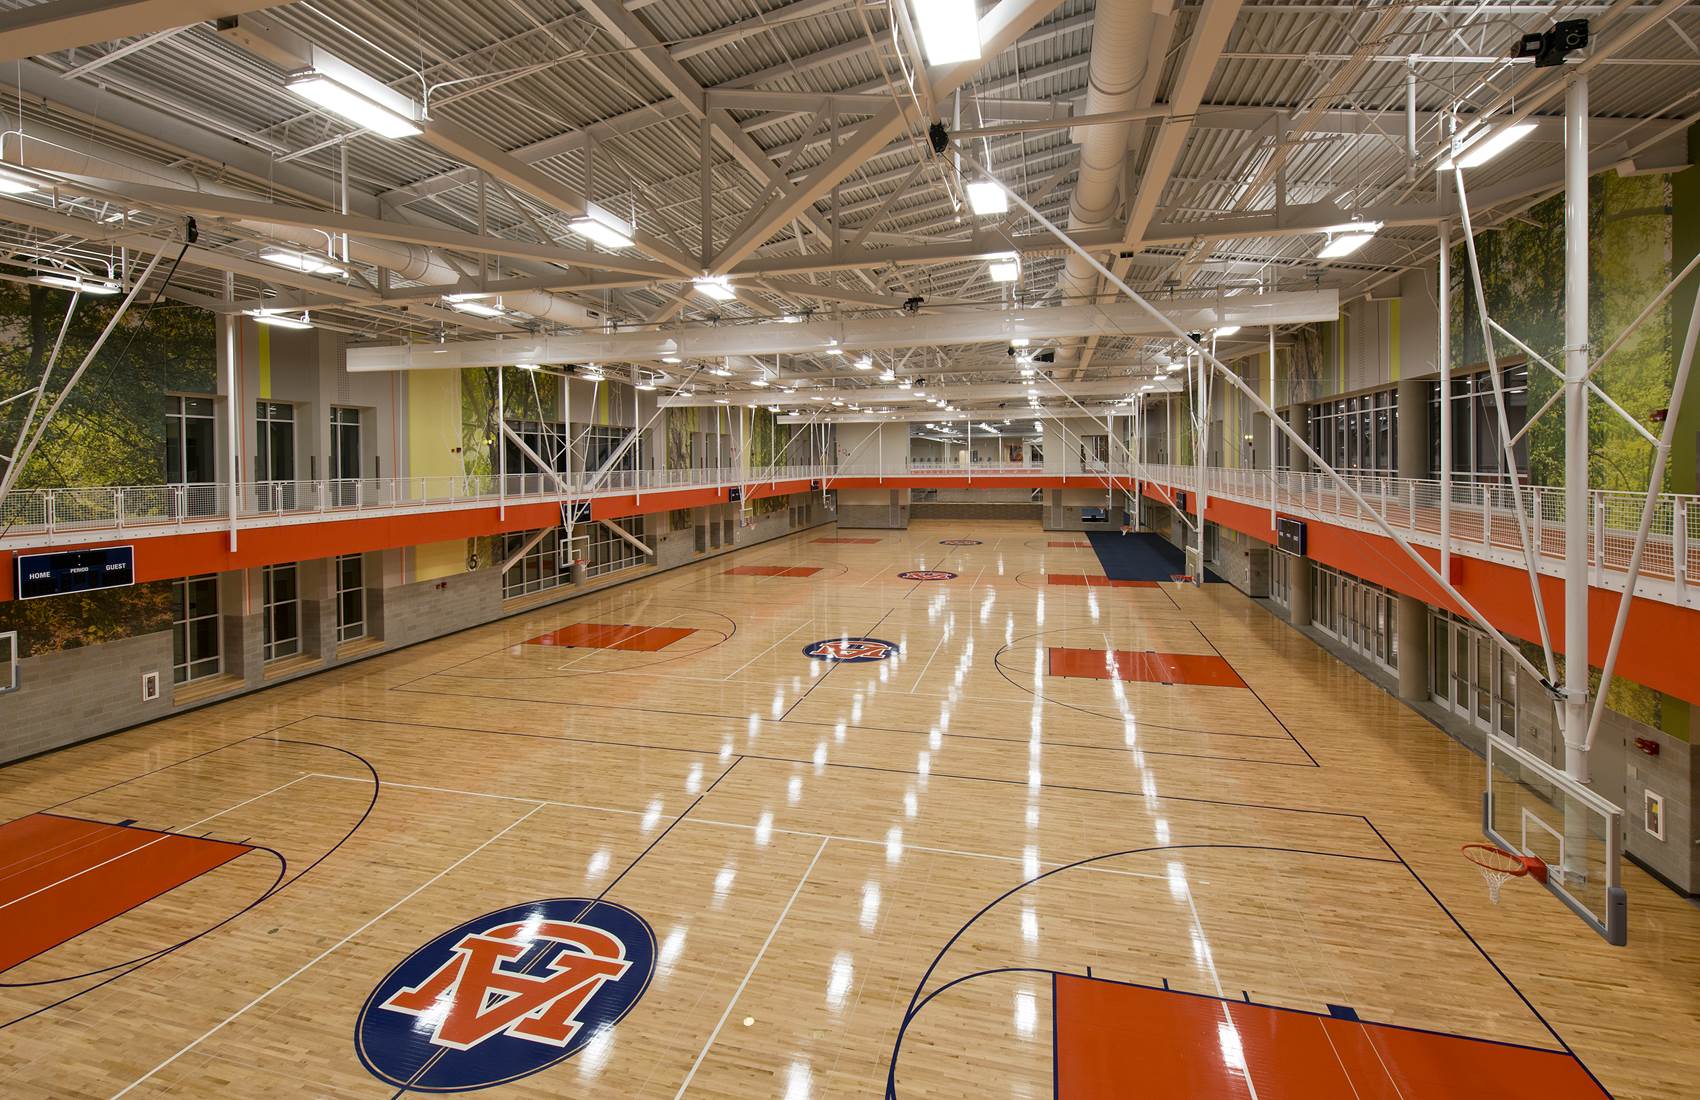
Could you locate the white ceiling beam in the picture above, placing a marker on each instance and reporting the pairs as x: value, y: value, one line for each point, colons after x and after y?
x: 968, y: 326
x: 67, y: 24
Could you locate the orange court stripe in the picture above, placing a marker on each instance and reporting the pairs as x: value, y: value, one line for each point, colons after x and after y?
x: 623, y: 636
x: 773, y: 570
x: 1197, y: 669
x: 71, y: 875
x: 1116, y: 1040
x: 859, y: 542
x: 1095, y: 580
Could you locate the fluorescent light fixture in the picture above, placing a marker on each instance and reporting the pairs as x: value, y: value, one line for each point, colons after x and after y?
x: 1005, y: 268
x: 1344, y: 245
x: 888, y: 375
x: 604, y: 228
x: 470, y: 303
x: 835, y: 351
x: 1226, y: 330
x: 720, y: 401
x: 773, y: 408
x: 646, y: 384
x: 905, y: 384
x: 950, y: 30
x: 986, y: 197
x: 1019, y: 342
x: 279, y: 319
x: 81, y: 286
x: 594, y: 374
x: 305, y: 262
x: 352, y: 95
x: 15, y: 185
x: 720, y: 372
x: 758, y: 382
x: 716, y: 287
x: 1487, y: 146
x: 866, y: 362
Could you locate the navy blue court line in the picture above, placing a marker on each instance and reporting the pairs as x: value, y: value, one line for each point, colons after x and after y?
x: 917, y: 1002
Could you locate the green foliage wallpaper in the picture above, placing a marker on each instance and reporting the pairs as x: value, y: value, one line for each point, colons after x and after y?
x: 110, y: 431
x: 1629, y: 258
x: 529, y: 396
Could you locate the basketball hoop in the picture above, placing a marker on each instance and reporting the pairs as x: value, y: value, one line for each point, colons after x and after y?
x: 1497, y: 865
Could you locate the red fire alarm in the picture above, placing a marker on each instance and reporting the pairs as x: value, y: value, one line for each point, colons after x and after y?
x: 1647, y: 745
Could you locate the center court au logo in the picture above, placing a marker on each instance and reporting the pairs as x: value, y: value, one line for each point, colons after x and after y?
x: 850, y: 650
x: 926, y: 575
x: 505, y: 995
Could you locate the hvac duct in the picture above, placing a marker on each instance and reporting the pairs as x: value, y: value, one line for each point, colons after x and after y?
x: 1121, y: 55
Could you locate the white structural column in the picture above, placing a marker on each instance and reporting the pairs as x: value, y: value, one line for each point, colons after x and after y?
x: 232, y: 407
x: 1443, y: 352
x: 1576, y: 430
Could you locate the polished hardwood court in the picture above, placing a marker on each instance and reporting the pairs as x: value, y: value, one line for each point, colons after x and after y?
x: 783, y: 824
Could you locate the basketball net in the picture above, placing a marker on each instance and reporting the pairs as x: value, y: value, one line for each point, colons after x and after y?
x: 1499, y: 866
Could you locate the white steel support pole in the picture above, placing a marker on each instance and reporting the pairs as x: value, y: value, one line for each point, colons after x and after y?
x: 1201, y: 421
x: 502, y: 444
x: 1274, y: 475
x: 1576, y: 430
x: 232, y: 408
x: 1443, y: 351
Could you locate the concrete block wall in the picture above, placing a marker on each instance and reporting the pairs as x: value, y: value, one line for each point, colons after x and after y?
x: 72, y: 694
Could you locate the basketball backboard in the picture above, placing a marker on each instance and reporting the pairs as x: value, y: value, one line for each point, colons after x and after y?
x: 1531, y: 807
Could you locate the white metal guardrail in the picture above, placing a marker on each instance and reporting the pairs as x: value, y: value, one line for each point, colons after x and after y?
x: 47, y: 517
x: 1483, y: 514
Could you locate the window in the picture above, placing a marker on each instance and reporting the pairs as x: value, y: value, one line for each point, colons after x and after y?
x: 190, y: 450
x: 608, y: 552
x: 1476, y: 451
x: 345, y: 457
x: 194, y: 628
x: 281, y: 618
x: 274, y: 438
x: 601, y: 442
x: 350, y: 598
x: 1358, y: 434
x: 549, y: 442
x: 1471, y: 676
x: 539, y: 569
x: 1358, y: 614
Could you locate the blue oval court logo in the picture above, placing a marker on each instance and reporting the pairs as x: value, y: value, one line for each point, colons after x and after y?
x: 505, y: 995
x: 927, y: 575
x: 850, y: 651
x: 960, y: 542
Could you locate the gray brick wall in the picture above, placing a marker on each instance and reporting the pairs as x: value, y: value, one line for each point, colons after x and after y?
x: 74, y: 694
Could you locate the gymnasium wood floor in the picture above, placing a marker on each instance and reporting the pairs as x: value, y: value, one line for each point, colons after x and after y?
x: 831, y: 855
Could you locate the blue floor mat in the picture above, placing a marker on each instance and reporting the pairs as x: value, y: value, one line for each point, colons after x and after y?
x: 1140, y: 556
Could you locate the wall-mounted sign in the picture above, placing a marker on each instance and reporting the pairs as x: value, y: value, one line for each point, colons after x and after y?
x: 1290, y: 535
x: 735, y: 494
x: 574, y: 512
x: 75, y: 571
x: 1180, y: 500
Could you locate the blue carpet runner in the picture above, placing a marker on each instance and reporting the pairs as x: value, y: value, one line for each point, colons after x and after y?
x: 1141, y: 556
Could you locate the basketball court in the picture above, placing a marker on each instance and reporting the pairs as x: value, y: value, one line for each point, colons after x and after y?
x: 787, y: 824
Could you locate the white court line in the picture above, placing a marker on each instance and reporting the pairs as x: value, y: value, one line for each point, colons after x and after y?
x: 333, y: 947
x: 1216, y: 979
x: 755, y: 962
x: 699, y: 820
x: 160, y: 839
x: 760, y: 655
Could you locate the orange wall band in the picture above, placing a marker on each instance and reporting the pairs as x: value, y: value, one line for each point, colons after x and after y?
x: 1500, y: 592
